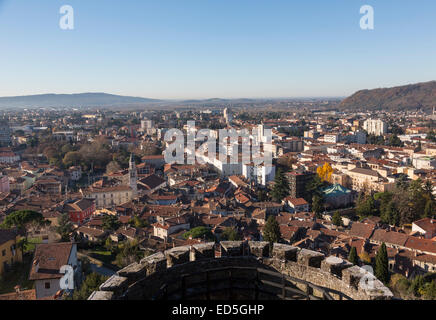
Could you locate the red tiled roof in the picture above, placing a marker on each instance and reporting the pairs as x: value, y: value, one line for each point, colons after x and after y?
x: 48, y: 259
x: 362, y: 230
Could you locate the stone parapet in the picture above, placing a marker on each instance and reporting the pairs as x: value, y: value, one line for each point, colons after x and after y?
x: 337, y: 276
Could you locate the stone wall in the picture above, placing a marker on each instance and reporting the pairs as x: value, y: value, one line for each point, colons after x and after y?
x: 144, y: 279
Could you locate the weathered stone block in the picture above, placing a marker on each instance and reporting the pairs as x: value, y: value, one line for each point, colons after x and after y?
x: 155, y: 263
x: 259, y: 248
x: 231, y: 248
x: 118, y: 285
x: 101, y: 295
x: 352, y: 276
x: 177, y: 255
x: 133, y: 272
x: 310, y: 258
x: 335, y: 265
x: 202, y: 251
x: 284, y: 252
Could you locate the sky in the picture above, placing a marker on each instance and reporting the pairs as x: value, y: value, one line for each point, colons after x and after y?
x: 183, y: 49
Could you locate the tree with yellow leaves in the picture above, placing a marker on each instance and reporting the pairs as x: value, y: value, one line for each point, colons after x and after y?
x: 325, y: 172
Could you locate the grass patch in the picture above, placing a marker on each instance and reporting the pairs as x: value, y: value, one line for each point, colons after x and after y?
x: 102, y: 254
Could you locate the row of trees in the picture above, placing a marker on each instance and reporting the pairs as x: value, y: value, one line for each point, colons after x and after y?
x: 408, y: 202
x: 381, y: 263
x: 420, y: 287
x: 391, y: 141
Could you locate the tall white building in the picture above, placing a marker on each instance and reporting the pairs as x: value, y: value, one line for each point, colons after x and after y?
x: 5, y: 133
x: 375, y: 126
x: 228, y: 115
x: 133, y: 176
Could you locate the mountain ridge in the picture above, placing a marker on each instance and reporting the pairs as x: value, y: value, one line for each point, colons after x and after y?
x: 412, y: 96
x: 88, y: 99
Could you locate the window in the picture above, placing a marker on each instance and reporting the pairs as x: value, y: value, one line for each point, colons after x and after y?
x: 4, y: 252
x: 47, y: 285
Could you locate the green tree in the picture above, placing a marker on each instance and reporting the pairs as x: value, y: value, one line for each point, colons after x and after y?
x: 72, y: 158
x: 199, y: 233
x: 317, y: 205
x: 137, y: 222
x: 382, y: 264
x: 281, y: 187
x: 337, y: 219
x: 394, y: 141
x: 429, y: 209
x: 108, y: 243
x: 128, y: 253
x: 23, y: 219
x: 402, y: 181
x: 429, y: 290
x: 111, y: 223
x: 20, y: 219
x: 416, y: 286
x: 313, y: 188
x: 352, y: 257
x: 64, y: 227
x: 366, y: 206
x: 431, y: 136
x: 390, y: 214
x: 230, y: 234
x: 92, y: 283
x: 271, y: 232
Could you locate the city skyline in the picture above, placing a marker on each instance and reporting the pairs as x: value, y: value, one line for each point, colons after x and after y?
x: 207, y: 49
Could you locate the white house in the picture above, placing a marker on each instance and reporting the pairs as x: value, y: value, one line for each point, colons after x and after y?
x: 47, y: 263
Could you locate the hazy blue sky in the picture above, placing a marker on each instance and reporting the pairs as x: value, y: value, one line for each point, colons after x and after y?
x: 214, y: 48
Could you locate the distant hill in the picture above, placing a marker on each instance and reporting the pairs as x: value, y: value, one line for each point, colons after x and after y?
x: 72, y: 100
x: 413, y: 96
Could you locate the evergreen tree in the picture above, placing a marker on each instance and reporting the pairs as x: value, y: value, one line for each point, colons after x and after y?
x: 366, y: 208
x: 337, y: 219
x: 389, y: 213
x: 262, y: 196
x: 429, y: 209
x: 317, y: 205
x: 231, y: 234
x: 271, y: 232
x: 352, y: 257
x: 92, y: 283
x: 281, y: 187
x: 382, y: 264
x: 110, y: 223
x: 313, y: 188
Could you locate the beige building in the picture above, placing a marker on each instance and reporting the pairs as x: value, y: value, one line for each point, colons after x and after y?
x: 106, y: 197
x: 363, y: 179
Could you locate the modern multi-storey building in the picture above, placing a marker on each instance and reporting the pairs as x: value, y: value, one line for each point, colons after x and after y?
x: 298, y: 182
x: 228, y: 115
x: 375, y: 126
x: 5, y: 133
